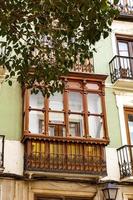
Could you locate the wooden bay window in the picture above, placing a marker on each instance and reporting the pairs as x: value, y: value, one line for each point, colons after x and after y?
x: 77, y: 113
x: 67, y: 132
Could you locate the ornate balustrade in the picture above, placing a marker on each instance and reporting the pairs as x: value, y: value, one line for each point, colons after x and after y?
x: 88, y: 67
x: 54, y: 155
x: 121, y: 67
x: 125, y: 7
x: 125, y: 160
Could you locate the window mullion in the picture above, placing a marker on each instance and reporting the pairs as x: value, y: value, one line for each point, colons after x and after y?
x: 85, y: 115
x: 46, y: 115
x: 65, y: 100
x: 104, y: 116
x: 26, y: 120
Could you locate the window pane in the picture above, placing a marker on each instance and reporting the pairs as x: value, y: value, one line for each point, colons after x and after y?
x: 56, y: 130
x: 94, y: 103
x: 36, y: 122
x: 37, y: 100
x: 56, y: 102
x: 96, y: 127
x: 56, y: 118
x: 123, y: 49
x: 75, y: 102
x: 76, y: 126
x: 92, y: 86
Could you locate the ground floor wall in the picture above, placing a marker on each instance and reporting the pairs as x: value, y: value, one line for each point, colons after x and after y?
x: 30, y: 189
x: 44, y: 189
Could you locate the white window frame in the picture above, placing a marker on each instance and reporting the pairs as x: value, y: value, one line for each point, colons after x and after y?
x: 123, y: 99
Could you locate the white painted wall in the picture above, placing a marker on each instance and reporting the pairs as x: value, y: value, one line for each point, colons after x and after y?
x: 13, y: 157
x: 123, y: 99
x: 112, y: 165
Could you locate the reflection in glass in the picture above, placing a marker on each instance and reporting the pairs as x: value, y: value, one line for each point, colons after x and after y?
x: 56, y: 102
x: 96, y: 127
x: 56, y: 117
x: 36, y: 122
x: 36, y: 100
x: 76, y: 127
x: 94, y: 103
x: 75, y: 102
x: 56, y: 130
x: 123, y: 48
x: 123, y: 51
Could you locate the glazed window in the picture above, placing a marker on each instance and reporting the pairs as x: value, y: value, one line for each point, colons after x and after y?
x: 36, y: 113
x: 125, y: 47
x: 78, y: 112
x: 125, y: 52
x: 128, y: 112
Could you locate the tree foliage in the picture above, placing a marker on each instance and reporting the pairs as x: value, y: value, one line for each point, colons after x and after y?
x: 44, y: 37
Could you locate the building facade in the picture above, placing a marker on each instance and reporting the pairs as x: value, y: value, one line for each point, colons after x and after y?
x: 71, y: 145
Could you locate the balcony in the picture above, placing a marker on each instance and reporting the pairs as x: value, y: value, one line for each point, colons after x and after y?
x: 121, y: 68
x: 125, y: 161
x: 2, y: 138
x: 126, y: 8
x: 88, y: 66
x: 64, y: 156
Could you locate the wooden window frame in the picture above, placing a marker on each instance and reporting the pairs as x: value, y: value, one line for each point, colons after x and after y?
x: 127, y: 110
x: 84, y: 91
x: 127, y: 39
x: 128, y: 70
x: 57, y: 127
x: 77, y: 128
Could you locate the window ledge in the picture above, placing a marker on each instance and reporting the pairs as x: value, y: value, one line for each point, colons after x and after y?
x: 60, y: 176
x: 123, y: 84
x: 89, y: 140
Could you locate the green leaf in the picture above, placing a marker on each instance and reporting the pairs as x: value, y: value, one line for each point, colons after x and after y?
x: 116, y: 1
x: 32, y: 39
x: 10, y: 82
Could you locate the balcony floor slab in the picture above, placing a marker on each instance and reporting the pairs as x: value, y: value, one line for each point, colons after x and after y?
x: 123, y: 84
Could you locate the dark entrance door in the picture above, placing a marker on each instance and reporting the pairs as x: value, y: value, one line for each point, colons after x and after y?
x: 60, y: 198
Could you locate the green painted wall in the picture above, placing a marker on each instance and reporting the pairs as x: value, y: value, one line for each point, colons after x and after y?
x: 101, y: 65
x: 10, y: 111
x: 103, y: 56
x: 112, y: 119
x: 11, y: 100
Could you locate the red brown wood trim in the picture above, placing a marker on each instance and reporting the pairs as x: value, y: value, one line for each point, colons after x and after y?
x: 127, y: 110
x: 124, y: 37
x: 26, y: 109
x: 104, y: 118
x: 66, y: 119
x: 90, y: 77
x: 46, y: 116
x: 63, y: 139
x: 86, y: 125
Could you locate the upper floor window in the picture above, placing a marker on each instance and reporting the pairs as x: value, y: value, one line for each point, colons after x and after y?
x: 125, y: 52
x: 78, y: 112
x: 125, y: 46
x: 128, y: 112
